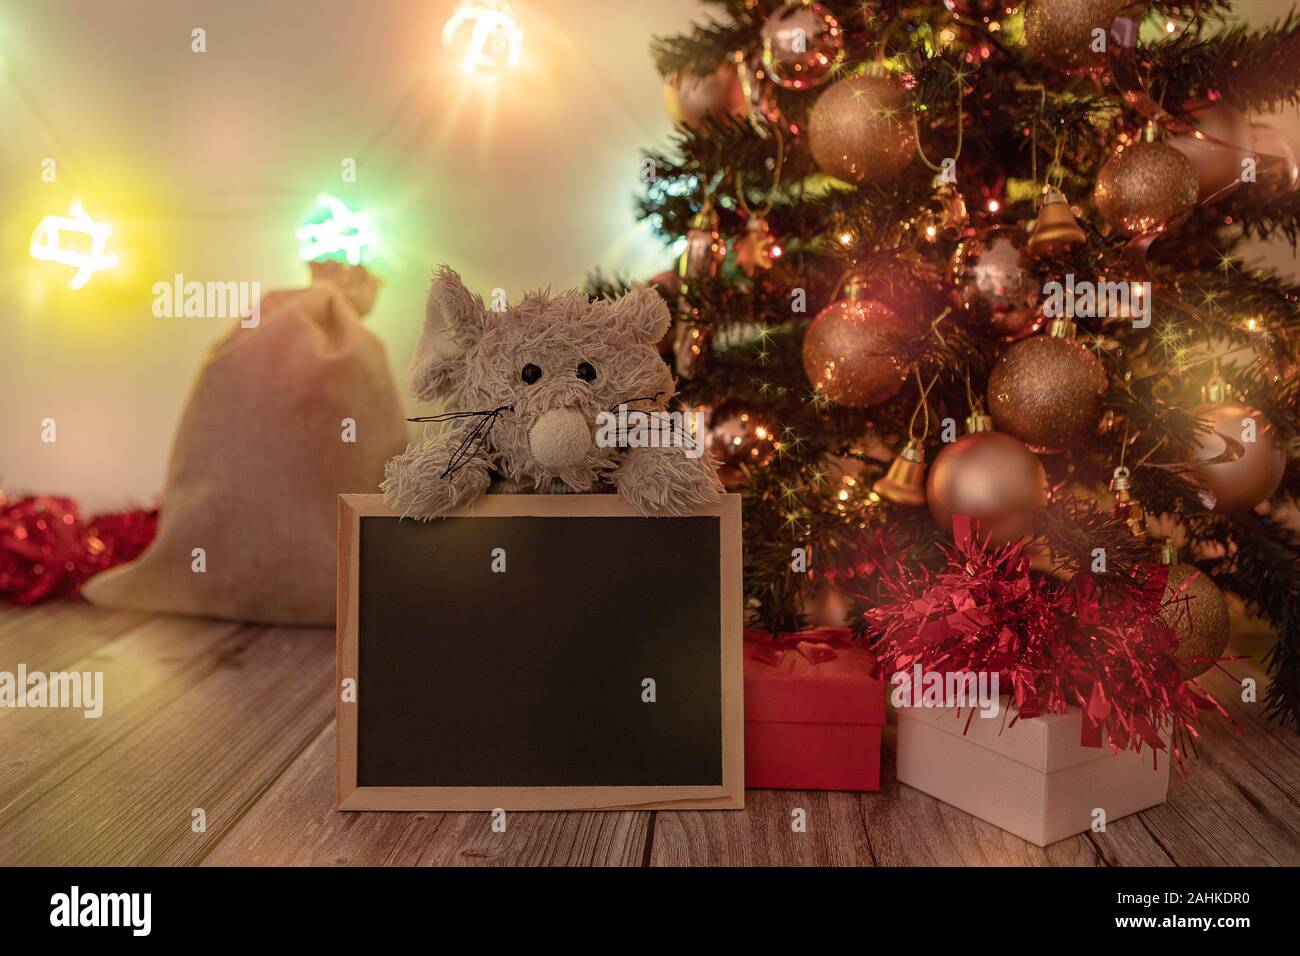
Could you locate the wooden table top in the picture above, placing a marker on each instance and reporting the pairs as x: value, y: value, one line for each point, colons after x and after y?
x: 238, y: 721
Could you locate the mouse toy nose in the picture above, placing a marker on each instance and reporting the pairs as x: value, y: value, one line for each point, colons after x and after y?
x: 560, y: 438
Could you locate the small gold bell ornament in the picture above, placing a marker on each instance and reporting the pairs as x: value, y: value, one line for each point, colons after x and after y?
x: 904, y: 482
x: 1056, y: 231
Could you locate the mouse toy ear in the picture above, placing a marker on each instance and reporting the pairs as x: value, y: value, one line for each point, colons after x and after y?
x: 642, y: 315
x: 454, y: 320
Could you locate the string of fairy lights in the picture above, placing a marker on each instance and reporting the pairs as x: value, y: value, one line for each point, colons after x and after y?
x: 484, y: 36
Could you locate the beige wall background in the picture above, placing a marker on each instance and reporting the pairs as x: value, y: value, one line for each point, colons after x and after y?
x: 205, y: 162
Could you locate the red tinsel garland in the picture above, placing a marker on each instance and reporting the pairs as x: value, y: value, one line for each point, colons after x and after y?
x: 1053, y: 645
x: 46, y: 550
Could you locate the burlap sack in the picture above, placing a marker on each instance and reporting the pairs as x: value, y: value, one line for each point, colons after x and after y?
x: 260, y: 458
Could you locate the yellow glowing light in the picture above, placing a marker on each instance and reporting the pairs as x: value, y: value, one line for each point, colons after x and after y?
x: 931, y: 232
x: 843, y: 495
x: 1170, y: 27
x: 845, y: 238
x: 1252, y: 324
x: 994, y: 205
x: 46, y: 244
x: 495, y: 40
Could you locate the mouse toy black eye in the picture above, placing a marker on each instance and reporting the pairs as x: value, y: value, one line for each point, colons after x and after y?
x: 586, y: 371
x: 530, y: 374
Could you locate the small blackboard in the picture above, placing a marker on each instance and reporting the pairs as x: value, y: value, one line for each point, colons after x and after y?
x: 539, y: 652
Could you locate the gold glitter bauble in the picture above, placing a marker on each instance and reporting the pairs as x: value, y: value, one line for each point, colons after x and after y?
x: 905, y: 281
x: 860, y: 130
x: 851, y: 352
x: 802, y: 43
x: 1145, y: 187
x: 1047, y: 392
x: 1258, y: 464
x: 1198, y: 612
x: 690, y: 98
x: 1062, y: 31
x: 992, y: 282
x: 1216, y: 155
x: 992, y: 478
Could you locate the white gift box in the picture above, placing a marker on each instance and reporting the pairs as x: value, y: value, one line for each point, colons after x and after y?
x: 1033, y: 778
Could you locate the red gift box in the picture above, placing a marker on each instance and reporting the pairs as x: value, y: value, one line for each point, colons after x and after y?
x: 813, y: 712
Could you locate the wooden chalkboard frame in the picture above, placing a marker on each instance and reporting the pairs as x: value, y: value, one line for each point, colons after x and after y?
x: 730, y: 795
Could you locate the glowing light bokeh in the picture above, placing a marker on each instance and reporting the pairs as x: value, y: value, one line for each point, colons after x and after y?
x: 495, y: 40
x: 47, y: 245
x: 340, y: 231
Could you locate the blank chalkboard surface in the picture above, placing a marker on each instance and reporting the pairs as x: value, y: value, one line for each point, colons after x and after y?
x: 504, y: 656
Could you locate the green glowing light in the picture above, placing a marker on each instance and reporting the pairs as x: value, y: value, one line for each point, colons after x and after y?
x: 335, y: 231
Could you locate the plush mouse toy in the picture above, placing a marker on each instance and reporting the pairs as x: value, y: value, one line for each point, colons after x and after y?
x: 538, y: 388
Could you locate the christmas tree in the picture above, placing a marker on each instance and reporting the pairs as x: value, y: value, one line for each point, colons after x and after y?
x: 982, y: 259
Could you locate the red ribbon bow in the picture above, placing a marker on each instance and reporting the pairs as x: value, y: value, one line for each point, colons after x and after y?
x: 817, y: 646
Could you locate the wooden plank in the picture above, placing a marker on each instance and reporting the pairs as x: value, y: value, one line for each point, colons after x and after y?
x: 1237, y: 804
x: 37, y: 745
x: 295, y: 824
x: 213, y: 737
x: 763, y: 834
x: 52, y: 636
x: 572, y: 838
x: 1129, y: 842
x: 909, y: 828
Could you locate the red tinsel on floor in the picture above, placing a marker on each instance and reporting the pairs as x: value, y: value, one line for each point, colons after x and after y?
x: 1052, y: 644
x: 46, y: 550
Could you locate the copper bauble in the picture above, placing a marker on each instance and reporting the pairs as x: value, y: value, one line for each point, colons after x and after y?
x: 1216, y: 150
x: 1257, y: 465
x: 739, y: 436
x: 860, y: 130
x: 992, y: 282
x: 690, y: 98
x: 1047, y: 392
x: 906, y: 282
x: 1145, y: 188
x: 1278, y: 165
x: 1198, y: 612
x: 802, y: 43
x: 991, y: 477
x: 1063, y: 31
x: 854, y: 351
